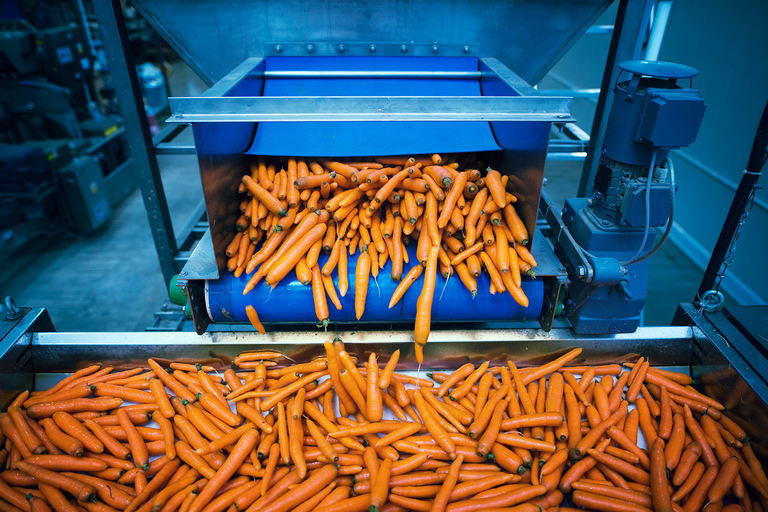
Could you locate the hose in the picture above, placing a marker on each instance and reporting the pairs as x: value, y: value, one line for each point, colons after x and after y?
x: 739, y: 203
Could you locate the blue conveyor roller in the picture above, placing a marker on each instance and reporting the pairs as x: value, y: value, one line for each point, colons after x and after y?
x: 291, y: 302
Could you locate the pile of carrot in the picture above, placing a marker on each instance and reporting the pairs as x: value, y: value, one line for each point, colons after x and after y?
x: 316, y: 436
x: 461, y: 221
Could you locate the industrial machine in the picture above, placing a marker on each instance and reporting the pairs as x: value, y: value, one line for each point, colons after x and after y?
x: 375, y: 79
x: 363, y: 98
x: 633, y: 192
x: 63, y: 164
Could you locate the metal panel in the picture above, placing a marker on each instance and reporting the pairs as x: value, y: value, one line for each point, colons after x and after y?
x: 64, y: 352
x: 371, y: 108
x: 214, y: 36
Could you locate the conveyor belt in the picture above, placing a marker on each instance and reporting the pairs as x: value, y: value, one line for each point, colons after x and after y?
x: 351, y: 139
x: 291, y: 301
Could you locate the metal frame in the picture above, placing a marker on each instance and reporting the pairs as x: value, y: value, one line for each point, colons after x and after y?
x: 626, y: 44
x: 216, y: 106
x: 144, y: 148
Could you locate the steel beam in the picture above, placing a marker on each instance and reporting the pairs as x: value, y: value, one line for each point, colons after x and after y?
x: 626, y: 44
x: 122, y: 68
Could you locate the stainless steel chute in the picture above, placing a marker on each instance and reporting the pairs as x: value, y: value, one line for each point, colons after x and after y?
x: 215, y: 36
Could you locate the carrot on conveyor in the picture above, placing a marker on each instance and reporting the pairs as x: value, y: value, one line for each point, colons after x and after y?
x: 491, y: 434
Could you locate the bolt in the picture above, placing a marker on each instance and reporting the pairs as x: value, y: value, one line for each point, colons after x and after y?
x: 581, y: 270
x: 435, y: 48
x: 569, y: 219
x: 278, y: 48
x: 605, y: 223
x: 636, y: 188
x: 613, y: 328
x: 341, y: 48
x: 465, y: 49
x: 310, y: 48
x: 404, y: 48
x: 629, y: 96
x: 568, y: 303
x: 654, y: 95
x: 372, y: 48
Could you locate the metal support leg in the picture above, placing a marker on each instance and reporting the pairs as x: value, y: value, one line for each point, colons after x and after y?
x: 122, y: 68
x: 626, y: 44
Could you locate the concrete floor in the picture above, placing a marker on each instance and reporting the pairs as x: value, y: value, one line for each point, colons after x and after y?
x: 111, y: 281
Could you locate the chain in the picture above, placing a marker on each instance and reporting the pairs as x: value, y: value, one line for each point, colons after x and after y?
x: 713, y: 298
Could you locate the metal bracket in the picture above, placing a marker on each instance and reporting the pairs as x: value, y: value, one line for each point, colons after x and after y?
x: 575, y: 259
x: 370, y: 49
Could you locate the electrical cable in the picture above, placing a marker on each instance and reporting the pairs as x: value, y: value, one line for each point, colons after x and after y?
x: 647, y: 231
x: 671, y: 166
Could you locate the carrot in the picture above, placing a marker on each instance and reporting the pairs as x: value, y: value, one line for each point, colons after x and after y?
x: 285, y: 263
x: 469, y: 381
x: 457, y: 188
x: 725, y: 479
x: 362, y: 274
x: 662, y: 499
x: 604, y: 503
x: 67, y: 463
x: 236, y: 457
x: 493, y: 182
x: 515, y: 225
x: 295, y: 434
x: 264, y: 197
x: 699, y: 436
x: 514, y: 497
x: 56, y: 498
x: 380, y: 486
x: 14, y: 498
x: 405, y: 283
x: 424, y: 303
x: 170, y: 382
x: 250, y: 311
x: 304, y: 491
x: 677, y: 389
x: 75, y: 429
x: 437, y: 432
x: 532, y: 420
x: 525, y: 442
x: 65, y: 394
x: 698, y: 496
x: 135, y: 441
x: 83, y: 492
x: 318, y: 292
x: 489, y: 437
x: 46, y: 409
x: 591, y: 438
x: 25, y: 431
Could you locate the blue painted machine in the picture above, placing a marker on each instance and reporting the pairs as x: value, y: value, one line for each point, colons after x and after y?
x: 633, y: 192
x: 338, y: 82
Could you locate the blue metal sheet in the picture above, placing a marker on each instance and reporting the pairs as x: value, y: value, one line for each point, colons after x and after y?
x: 291, y: 302
x: 371, y: 139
